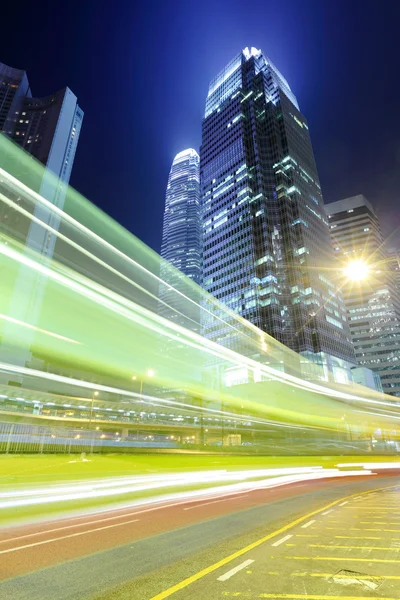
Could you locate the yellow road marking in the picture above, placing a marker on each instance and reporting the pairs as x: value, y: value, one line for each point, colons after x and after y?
x: 306, y: 535
x: 363, y: 529
x: 336, y: 576
x: 352, y: 547
x: 296, y: 596
x: 370, y: 508
x: 344, y: 559
x: 378, y: 523
x: 211, y: 568
x: 360, y: 537
x: 319, y: 597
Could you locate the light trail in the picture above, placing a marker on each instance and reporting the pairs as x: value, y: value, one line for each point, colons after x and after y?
x: 116, y: 286
x: 107, y: 489
x: 34, y: 328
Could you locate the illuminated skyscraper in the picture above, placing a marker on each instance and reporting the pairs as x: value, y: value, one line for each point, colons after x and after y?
x: 48, y: 128
x: 373, y: 303
x: 267, y: 252
x: 181, y: 243
x: 181, y: 248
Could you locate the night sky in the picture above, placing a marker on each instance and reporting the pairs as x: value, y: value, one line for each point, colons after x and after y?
x: 141, y: 71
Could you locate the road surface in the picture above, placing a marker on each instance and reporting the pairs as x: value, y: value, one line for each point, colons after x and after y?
x: 306, y: 540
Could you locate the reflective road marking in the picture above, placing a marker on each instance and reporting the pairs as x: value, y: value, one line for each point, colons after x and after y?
x: 287, y: 537
x: 229, y: 574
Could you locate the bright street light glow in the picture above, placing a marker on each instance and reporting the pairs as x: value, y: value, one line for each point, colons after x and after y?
x: 356, y: 270
x: 150, y: 373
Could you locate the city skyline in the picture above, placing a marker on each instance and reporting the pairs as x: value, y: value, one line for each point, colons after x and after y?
x: 113, y: 159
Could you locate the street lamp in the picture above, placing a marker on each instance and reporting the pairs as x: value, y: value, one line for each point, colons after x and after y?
x: 356, y: 270
x: 149, y: 373
x: 91, y: 408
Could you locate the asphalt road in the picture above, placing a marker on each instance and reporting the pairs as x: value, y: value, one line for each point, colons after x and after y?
x: 174, y: 550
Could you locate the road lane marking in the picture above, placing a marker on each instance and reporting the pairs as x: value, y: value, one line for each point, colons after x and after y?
x: 353, y: 547
x: 337, y: 576
x: 65, y: 537
x: 235, y: 570
x: 327, y: 512
x: 308, y: 524
x: 344, y: 559
x: 224, y: 561
x: 161, y: 506
x: 378, y: 523
x: 279, y: 542
x: 319, y: 597
x: 343, y: 503
x: 360, y: 537
x: 214, y: 502
x: 363, y: 529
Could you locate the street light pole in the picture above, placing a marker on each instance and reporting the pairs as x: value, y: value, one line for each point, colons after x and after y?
x: 91, y: 408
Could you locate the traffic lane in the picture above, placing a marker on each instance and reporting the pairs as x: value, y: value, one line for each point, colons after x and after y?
x: 349, y: 550
x: 153, y: 564
x: 29, y: 548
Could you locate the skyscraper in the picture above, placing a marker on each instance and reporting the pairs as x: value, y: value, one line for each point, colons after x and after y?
x: 373, y: 303
x: 181, y: 242
x: 267, y: 251
x: 47, y: 128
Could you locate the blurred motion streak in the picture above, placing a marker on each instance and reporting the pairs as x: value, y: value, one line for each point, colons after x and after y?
x: 86, y: 306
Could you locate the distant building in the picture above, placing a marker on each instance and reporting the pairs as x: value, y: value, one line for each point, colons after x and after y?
x: 394, y: 264
x: 267, y: 253
x: 47, y: 128
x: 181, y: 242
x: 373, y: 304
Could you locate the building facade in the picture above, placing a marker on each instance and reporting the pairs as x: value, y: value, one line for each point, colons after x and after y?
x: 47, y: 128
x: 181, y: 241
x: 373, y: 303
x: 266, y: 246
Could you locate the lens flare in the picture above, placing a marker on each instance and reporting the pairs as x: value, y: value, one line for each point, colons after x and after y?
x: 356, y: 270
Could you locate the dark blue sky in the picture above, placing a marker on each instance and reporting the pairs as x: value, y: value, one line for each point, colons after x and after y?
x: 141, y: 70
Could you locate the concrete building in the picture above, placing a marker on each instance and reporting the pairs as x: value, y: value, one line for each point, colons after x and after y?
x: 371, y: 292
x: 48, y: 128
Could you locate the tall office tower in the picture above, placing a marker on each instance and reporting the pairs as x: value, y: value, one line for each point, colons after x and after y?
x: 267, y: 252
x: 181, y: 243
x: 48, y: 128
x: 394, y: 264
x: 373, y: 303
x: 14, y: 87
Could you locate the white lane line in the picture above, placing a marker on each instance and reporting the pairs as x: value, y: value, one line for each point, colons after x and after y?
x: 28, y: 535
x: 229, y: 574
x: 212, y: 502
x: 91, y: 522
x: 279, y: 542
x: 64, y: 537
x: 343, y: 503
x: 308, y: 524
x: 327, y: 512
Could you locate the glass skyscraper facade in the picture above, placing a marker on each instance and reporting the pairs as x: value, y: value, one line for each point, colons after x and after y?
x: 181, y: 242
x: 266, y: 246
x: 373, y: 304
x: 48, y: 128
